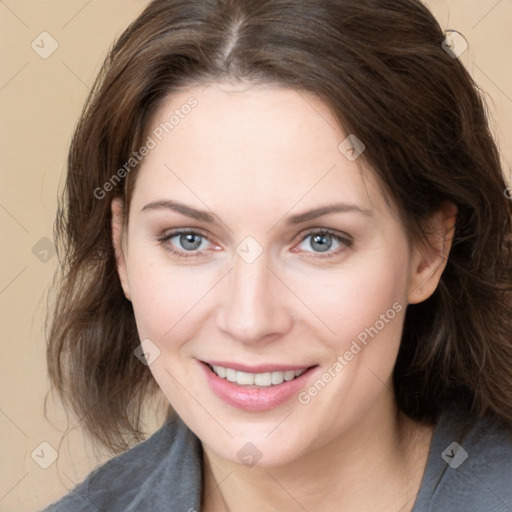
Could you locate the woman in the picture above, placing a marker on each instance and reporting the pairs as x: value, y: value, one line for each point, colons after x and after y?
x: 290, y: 218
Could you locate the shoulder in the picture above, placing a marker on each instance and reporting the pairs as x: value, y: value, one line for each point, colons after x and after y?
x: 469, y: 466
x: 147, y: 477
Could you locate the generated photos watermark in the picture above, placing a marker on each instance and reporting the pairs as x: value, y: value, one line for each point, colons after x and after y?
x: 454, y: 43
x: 147, y: 352
x: 157, y: 135
x: 342, y: 361
x: 454, y: 455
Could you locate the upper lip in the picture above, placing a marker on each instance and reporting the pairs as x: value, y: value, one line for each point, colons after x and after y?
x: 259, y: 368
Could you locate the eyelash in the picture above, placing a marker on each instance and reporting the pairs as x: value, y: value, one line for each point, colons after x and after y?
x: 183, y: 254
x: 342, y: 239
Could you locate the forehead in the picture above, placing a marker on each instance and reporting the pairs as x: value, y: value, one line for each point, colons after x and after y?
x: 262, y: 145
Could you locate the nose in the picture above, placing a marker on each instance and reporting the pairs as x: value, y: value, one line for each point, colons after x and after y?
x: 254, y: 308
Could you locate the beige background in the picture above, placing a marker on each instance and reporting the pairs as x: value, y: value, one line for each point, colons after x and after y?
x: 40, y: 100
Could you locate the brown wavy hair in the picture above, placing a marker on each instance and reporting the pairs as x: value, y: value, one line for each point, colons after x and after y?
x: 381, y: 67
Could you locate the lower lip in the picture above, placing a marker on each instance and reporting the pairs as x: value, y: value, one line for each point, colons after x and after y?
x: 255, y: 399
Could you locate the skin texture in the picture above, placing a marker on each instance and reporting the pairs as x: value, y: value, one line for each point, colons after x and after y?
x: 253, y: 156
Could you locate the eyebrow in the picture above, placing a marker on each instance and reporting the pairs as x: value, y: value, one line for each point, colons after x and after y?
x: 324, y: 210
x: 204, y: 216
x: 201, y: 215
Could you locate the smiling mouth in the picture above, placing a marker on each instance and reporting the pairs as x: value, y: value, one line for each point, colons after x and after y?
x: 262, y: 380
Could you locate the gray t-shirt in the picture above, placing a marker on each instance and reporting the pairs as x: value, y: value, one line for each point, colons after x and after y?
x: 469, y: 469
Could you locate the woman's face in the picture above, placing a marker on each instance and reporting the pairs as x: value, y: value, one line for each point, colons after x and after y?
x: 255, y: 245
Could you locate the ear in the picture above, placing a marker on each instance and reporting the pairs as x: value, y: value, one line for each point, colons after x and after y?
x: 429, y: 259
x: 118, y: 216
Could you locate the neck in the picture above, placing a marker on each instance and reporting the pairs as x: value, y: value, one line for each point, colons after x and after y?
x: 377, y: 465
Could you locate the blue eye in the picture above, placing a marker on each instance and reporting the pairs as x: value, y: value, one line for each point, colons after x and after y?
x: 189, y: 241
x: 322, y: 241
x: 180, y: 243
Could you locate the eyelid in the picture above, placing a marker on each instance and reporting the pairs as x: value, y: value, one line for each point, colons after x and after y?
x: 345, y: 237
x: 180, y: 231
x: 342, y: 238
x: 183, y: 253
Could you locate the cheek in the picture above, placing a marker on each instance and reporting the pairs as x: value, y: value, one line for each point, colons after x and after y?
x: 166, y: 298
x: 358, y: 301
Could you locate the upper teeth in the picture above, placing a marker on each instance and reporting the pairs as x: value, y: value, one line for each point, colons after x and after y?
x: 258, y: 379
